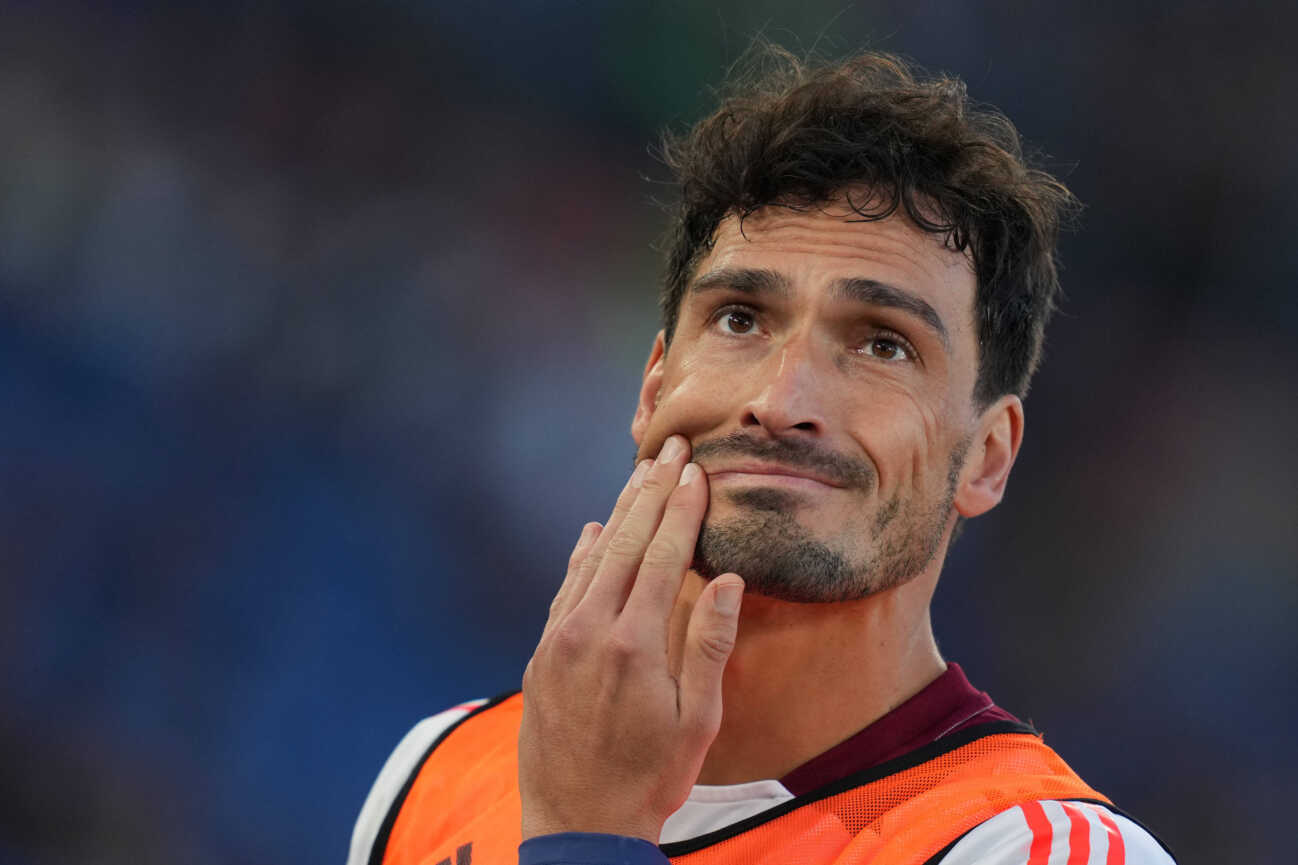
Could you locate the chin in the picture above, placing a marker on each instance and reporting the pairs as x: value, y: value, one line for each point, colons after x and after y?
x: 777, y: 556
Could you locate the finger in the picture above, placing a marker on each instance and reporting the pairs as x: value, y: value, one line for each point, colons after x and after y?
x: 709, y: 640
x: 579, y: 576
x: 617, y: 570
x: 589, y: 534
x: 585, y: 542
x: 669, y: 554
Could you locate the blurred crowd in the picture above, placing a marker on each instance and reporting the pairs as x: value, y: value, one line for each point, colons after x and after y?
x: 320, y: 330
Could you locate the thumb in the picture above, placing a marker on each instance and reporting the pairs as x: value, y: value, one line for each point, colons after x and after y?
x: 709, y: 641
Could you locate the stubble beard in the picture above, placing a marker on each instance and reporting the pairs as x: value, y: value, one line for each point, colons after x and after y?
x: 780, y: 558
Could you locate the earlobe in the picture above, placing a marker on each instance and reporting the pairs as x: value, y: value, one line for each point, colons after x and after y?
x: 649, y: 387
x: 990, y: 457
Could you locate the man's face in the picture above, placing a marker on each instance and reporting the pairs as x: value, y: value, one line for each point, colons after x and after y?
x: 823, y: 370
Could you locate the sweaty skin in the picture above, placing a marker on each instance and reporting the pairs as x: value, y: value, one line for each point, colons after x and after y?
x: 823, y: 371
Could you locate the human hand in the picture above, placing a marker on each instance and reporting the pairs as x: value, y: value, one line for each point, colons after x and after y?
x: 611, y: 739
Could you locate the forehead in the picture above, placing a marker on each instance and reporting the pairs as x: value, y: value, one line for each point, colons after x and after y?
x: 814, y: 247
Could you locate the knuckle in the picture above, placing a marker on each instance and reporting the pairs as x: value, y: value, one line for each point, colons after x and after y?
x: 716, y: 646
x: 621, y: 647
x: 585, y: 575
x: 568, y: 640
x: 656, y: 481
x: 625, y: 544
x: 703, y: 725
x: 664, y: 553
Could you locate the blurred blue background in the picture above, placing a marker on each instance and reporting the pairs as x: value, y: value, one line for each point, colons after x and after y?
x: 320, y: 330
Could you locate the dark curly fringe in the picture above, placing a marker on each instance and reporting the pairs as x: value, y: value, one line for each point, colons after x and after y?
x: 799, y: 135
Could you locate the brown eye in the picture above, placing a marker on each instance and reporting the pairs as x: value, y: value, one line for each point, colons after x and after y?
x: 886, y: 349
x: 737, y: 321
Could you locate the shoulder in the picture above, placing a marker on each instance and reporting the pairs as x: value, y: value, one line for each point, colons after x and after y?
x: 400, y: 766
x: 1079, y: 833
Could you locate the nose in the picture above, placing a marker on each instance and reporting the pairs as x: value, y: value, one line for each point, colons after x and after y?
x: 789, y: 398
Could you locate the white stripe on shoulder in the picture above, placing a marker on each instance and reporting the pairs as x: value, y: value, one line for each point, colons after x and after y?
x: 392, y: 777
x: 1100, y: 837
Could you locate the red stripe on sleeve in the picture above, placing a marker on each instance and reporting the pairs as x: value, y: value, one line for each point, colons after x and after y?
x: 1079, y: 836
x: 1117, y: 850
x: 1042, y: 834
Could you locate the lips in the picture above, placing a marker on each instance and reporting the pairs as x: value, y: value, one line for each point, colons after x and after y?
x: 756, y: 471
x: 789, y: 460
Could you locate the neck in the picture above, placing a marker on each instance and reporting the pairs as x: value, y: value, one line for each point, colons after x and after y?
x: 804, y: 677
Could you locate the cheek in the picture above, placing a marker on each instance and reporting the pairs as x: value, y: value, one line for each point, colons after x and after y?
x: 936, y: 436
x: 902, y: 435
x: 690, y: 403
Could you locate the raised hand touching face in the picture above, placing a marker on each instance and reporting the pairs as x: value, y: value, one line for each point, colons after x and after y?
x: 612, y: 739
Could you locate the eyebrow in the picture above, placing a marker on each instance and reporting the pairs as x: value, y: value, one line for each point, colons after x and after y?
x: 874, y: 293
x: 742, y: 279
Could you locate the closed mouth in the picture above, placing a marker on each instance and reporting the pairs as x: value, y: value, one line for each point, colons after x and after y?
x: 770, y: 473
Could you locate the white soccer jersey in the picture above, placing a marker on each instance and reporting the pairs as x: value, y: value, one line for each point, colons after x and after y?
x: 1039, y: 833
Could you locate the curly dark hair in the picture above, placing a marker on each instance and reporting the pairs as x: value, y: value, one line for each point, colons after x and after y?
x: 798, y: 135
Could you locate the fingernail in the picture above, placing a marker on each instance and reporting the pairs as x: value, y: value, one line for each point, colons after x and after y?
x: 671, y: 450
x: 726, y: 600
x: 691, y: 474
x: 637, y: 477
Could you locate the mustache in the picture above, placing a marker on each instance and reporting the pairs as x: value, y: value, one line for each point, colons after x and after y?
x: 792, y: 452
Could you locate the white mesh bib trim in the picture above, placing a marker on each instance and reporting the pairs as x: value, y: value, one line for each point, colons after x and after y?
x: 710, y: 808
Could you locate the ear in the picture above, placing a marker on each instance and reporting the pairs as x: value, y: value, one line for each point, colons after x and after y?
x: 991, y: 455
x: 653, y: 380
